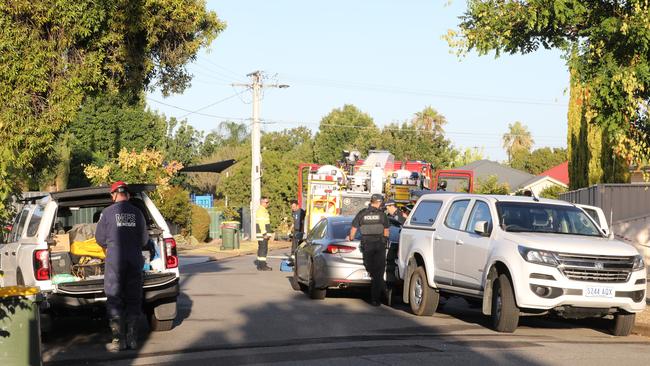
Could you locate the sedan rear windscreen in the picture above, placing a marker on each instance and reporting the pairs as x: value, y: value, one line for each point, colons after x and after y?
x: 340, y: 230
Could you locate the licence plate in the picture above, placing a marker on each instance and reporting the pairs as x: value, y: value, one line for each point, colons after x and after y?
x: 365, y: 276
x: 607, y: 292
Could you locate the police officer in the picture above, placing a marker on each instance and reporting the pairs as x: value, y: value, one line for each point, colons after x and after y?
x: 263, y: 229
x: 298, y: 215
x: 373, y: 224
x: 122, y: 232
x: 396, y: 218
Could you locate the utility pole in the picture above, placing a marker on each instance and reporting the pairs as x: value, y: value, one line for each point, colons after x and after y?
x: 256, y: 156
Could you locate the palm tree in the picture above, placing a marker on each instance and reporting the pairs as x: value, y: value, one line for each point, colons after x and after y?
x: 517, y: 138
x: 429, y: 120
x: 233, y: 133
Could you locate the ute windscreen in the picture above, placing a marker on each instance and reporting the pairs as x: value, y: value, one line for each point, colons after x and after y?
x: 545, y: 218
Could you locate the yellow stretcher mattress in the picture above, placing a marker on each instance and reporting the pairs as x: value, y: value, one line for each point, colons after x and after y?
x: 87, y: 248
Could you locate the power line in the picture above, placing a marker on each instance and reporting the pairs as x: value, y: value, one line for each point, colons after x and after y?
x: 400, y: 90
x: 193, y: 112
x: 213, y: 74
x: 234, y: 74
x: 212, y: 104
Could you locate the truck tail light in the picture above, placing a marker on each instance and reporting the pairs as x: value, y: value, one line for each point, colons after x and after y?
x: 42, y: 265
x: 335, y: 248
x: 171, y: 257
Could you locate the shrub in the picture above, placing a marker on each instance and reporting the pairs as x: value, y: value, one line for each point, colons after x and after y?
x: 200, y: 223
x: 491, y: 185
x: 174, y: 205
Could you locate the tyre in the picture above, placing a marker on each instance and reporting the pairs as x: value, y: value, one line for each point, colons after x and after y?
x: 312, y: 291
x: 159, y: 325
x: 295, y: 284
x: 165, y: 310
x: 623, y: 324
x: 505, y: 313
x: 422, y: 298
x: 389, y: 296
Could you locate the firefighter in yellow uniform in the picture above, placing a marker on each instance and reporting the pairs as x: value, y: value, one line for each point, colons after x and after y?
x: 263, y: 229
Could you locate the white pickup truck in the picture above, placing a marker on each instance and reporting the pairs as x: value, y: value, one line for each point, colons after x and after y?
x: 518, y: 256
x: 27, y: 254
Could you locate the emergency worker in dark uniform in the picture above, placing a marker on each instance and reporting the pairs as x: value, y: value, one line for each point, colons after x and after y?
x: 373, y: 224
x: 122, y: 232
x: 298, y: 215
x: 396, y: 218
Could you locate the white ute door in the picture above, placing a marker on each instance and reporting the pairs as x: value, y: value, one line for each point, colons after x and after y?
x: 472, y: 249
x: 445, y: 242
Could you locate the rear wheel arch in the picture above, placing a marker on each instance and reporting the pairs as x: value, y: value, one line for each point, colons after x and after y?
x: 414, y: 262
x: 496, y: 269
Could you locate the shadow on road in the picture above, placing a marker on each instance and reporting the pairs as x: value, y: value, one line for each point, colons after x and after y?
x: 87, y: 329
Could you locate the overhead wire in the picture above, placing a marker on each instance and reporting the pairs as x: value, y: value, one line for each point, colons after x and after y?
x: 212, y: 104
x: 194, y: 112
x: 400, y: 90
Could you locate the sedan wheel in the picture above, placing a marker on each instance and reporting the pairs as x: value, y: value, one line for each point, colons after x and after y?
x: 315, y: 293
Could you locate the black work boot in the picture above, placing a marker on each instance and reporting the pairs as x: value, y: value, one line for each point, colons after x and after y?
x: 118, y: 343
x: 262, y: 266
x: 132, y: 333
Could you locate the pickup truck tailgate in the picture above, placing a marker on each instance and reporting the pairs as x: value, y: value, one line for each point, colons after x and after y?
x: 96, y: 286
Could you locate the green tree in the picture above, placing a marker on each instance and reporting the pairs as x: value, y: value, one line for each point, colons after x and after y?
x: 107, y: 124
x: 343, y: 129
x: 282, y: 152
x: 233, y: 133
x: 467, y: 156
x: 552, y: 192
x: 53, y: 54
x: 429, y: 120
x: 538, y: 160
x: 606, y: 47
x: 407, y: 142
x: 591, y: 159
x: 517, y: 139
x: 491, y: 185
x: 183, y: 142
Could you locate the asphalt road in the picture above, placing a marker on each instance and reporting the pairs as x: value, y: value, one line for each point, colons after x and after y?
x: 230, y: 314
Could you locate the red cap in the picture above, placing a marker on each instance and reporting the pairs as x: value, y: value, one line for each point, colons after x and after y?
x: 119, y: 186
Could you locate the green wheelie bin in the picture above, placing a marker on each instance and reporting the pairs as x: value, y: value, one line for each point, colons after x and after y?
x: 229, y: 235
x: 20, y: 326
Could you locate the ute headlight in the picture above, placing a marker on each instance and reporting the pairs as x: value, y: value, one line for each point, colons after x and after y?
x: 538, y: 256
x: 638, y: 263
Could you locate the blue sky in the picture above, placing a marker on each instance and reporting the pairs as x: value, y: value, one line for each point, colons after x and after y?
x: 385, y: 57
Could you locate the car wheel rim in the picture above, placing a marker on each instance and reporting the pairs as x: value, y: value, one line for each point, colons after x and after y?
x: 417, y: 293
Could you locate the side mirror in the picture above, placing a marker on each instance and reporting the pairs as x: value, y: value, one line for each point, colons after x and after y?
x: 482, y: 228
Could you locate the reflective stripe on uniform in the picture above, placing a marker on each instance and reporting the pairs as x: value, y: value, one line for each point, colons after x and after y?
x: 263, y: 259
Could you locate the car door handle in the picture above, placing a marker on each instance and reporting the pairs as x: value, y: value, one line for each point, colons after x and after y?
x: 13, y: 253
x: 437, y: 238
x: 459, y: 242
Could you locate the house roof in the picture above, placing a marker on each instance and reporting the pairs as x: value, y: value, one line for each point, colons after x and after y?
x: 558, y: 172
x: 515, y: 178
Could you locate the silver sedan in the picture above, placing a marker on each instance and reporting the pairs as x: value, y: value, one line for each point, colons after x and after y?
x: 326, y: 259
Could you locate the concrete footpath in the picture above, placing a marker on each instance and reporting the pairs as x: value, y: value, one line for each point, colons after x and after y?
x: 213, y: 252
